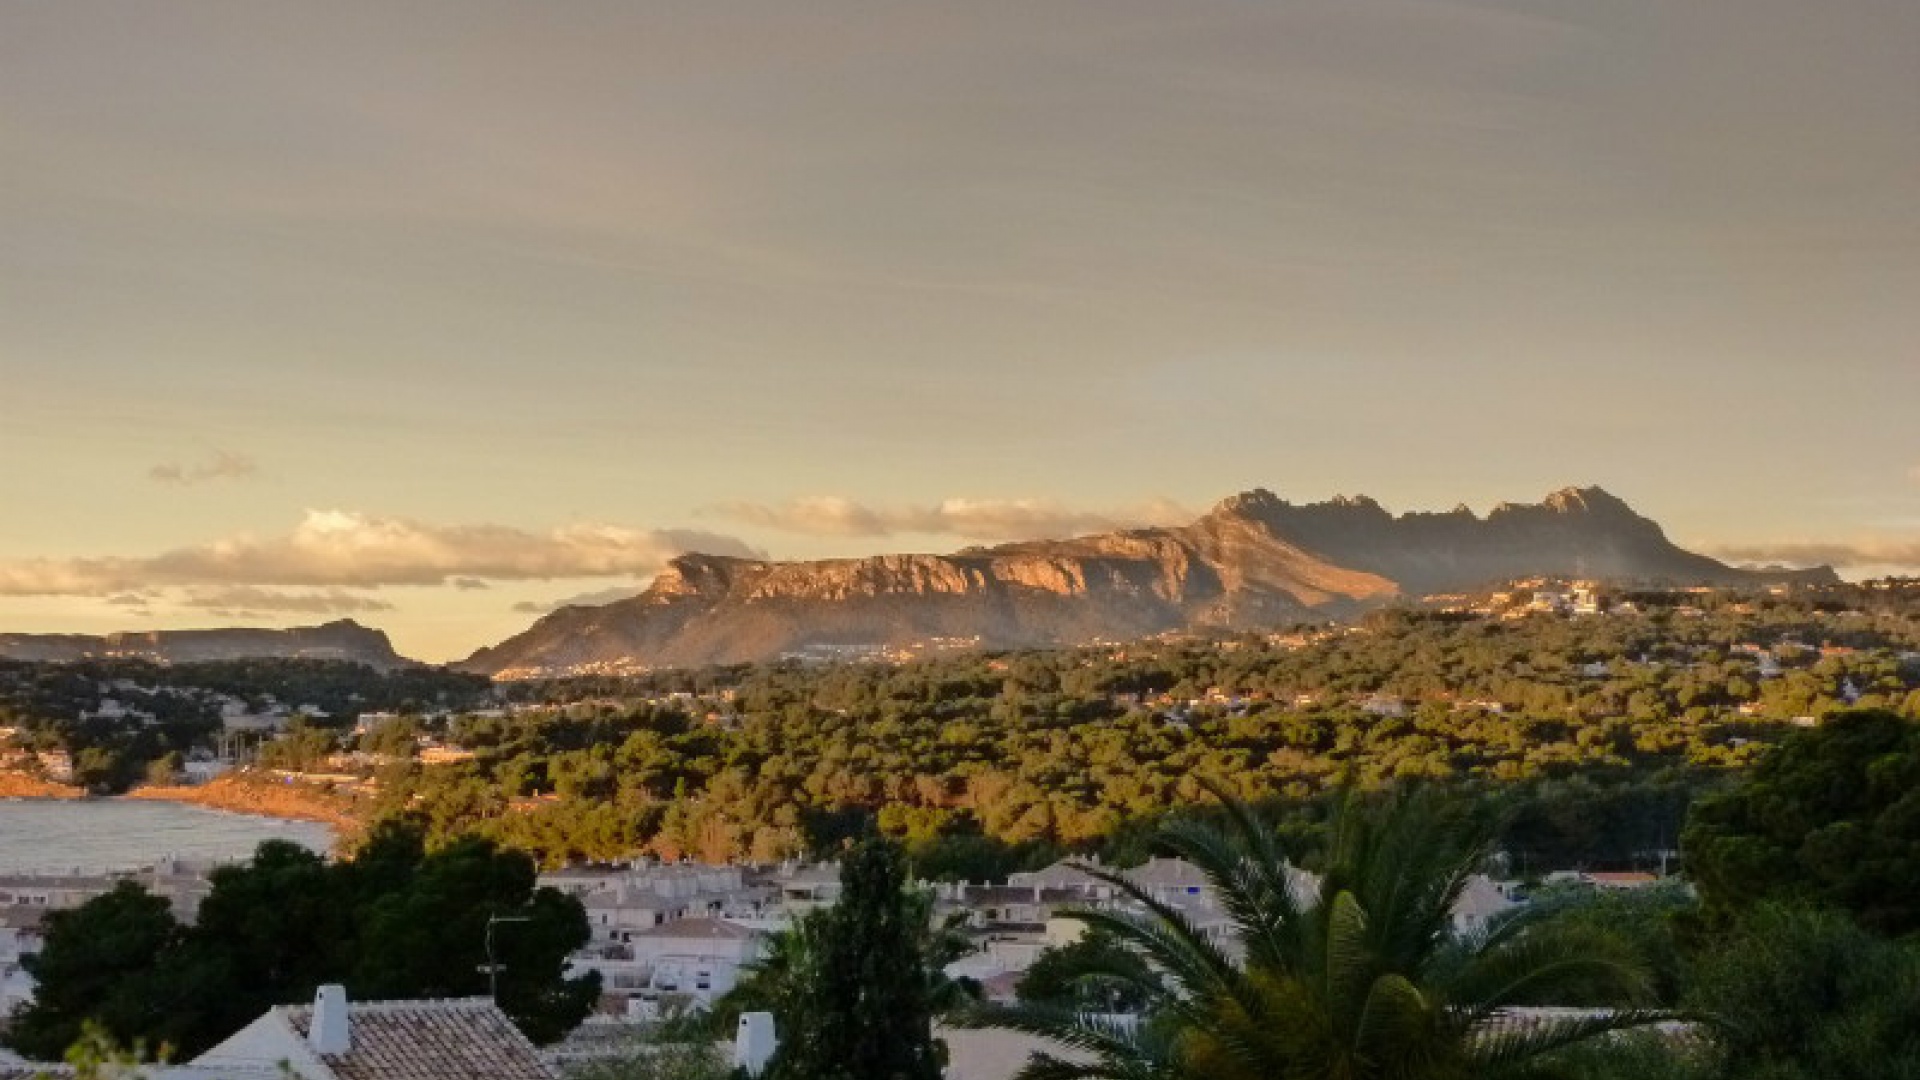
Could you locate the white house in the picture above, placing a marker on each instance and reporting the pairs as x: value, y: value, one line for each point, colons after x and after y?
x: 1480, y: 902
x: 621, y: 901
x: 20, y: 936
x: 689, y: 962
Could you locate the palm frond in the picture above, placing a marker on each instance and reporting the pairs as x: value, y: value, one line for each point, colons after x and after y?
x: 1144, y: 978
x: 1415, y: 862
x: 1349, y: 968
x: 1551, y: 962
x: 1105, y: 1047
x: 1508, y: 1039
x: 1165, y: 936
x: 1254, y: 892
x: 1044, y: 1066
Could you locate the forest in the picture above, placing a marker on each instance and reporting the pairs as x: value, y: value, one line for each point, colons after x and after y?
x: 1600, y: 731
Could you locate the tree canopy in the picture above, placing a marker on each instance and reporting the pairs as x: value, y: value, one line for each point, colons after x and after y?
x: 1831, y: 816
x: 864, y: 1004
x: 396, y: 922
x: 100, y: 962
x: 1361, y: 978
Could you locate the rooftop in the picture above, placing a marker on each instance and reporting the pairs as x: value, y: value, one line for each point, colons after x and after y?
x: 433, y: 1039
x: 717, y: 929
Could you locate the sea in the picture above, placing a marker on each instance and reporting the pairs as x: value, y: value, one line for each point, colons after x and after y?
x: 102, y: 835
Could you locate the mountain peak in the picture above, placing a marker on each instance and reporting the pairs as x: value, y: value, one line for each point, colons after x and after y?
x: 1583, y: 500
x: 1250, y: 503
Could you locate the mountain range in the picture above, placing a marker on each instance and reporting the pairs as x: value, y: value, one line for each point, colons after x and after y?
x: 1254, y: 560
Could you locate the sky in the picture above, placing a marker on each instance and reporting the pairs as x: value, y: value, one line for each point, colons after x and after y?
x: 435, y: 314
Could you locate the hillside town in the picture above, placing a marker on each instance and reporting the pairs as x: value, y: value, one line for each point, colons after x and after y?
x: 670, y: 940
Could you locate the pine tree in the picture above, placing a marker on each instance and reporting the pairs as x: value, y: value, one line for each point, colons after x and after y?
x: 865, y: 1010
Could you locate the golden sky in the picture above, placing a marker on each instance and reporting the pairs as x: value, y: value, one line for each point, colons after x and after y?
x: 434, y: 313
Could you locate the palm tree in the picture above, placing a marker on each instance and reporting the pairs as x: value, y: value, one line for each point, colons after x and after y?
x: 1359, y: 978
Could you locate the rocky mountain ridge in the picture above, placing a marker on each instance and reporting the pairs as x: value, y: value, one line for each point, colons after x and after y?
x: 1254, y: 560
x: 343, y: 639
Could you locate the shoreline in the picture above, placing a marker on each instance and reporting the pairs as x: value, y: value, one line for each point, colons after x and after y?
x: 261, y: 798
x: 234, y: 793
x: 15, y: 785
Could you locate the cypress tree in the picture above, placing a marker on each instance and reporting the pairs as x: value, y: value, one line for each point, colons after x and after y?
x: 865, y: 1010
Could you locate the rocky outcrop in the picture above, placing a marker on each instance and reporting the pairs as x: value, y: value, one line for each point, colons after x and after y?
x: 341, y: 640
x: 1572, y: 533
x: 1255, y: 560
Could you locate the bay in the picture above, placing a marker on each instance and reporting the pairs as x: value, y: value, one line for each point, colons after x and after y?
x: 99, y: 835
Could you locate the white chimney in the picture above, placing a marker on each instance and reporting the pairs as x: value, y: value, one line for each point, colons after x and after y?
x: 753, y: 1046
x: 328, y: 1034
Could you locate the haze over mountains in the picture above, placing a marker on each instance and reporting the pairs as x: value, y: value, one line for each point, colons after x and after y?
x: 1254, y: 560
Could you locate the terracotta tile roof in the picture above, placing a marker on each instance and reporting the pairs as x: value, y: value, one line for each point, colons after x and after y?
x: 1622, y: 879
x: 447, y: 1039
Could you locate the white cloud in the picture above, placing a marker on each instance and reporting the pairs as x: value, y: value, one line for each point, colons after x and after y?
x: 251, y: 599
x: 222, y: 465
x: 596, y: 598
x: 333, y: 549
x: 1878, y: 551
x: 975, y: 519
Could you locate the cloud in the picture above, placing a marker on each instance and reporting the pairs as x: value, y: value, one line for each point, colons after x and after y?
x: 255, y: 600
x: 1877, y: 551
x: 469, y: 584
x: 223, y: 465
x: 975, y: 519
x: 332, y: 549
x: 596, y: 598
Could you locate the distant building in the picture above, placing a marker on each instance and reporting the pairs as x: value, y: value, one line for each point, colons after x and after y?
x: 681, y: 964
x: 1383, y: 705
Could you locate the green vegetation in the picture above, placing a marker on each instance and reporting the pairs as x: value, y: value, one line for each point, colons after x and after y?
x: 116, y: 718
x: 1362, y: 979
x: 1601, y: 730
x: 394, y: 922
x: 1785, y: 973
x: 98, y: 967
x: 863, y: 995
x: 1832, y: 816
x: 1806, y: 994
x: 1080, y: 976
x: 661, y: 1058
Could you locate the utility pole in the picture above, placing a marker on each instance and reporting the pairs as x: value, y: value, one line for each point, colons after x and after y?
x: 492, y: 967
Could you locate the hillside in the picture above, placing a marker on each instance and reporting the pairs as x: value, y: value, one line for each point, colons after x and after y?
x: 340, y: 640
x: 1254, y: 560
